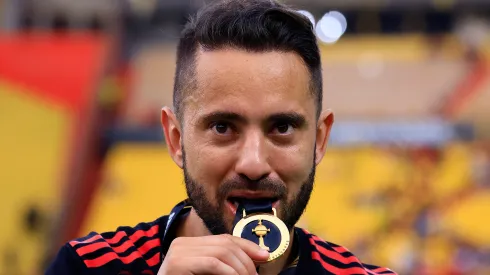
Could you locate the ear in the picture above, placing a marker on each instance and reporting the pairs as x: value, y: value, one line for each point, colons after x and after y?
x: 325, y: 123
x: 172, y: 132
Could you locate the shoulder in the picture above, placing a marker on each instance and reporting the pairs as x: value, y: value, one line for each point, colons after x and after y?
x: 131, y: 249
x: 337, y: 259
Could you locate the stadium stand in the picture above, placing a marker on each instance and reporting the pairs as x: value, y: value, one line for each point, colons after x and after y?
x: 371, y: 193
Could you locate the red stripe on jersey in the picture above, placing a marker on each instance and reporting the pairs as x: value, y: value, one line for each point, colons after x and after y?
x: 316, y: 238
x: 91, y: 248
x: 334, y: 255
x: 154, y: 260
x: 140, y: 233
x: 102, y: 260
x: 89, y: 240
x: 95, y: 246
x: 382, y: 269
x: 339, y: 249
x: 123, y: 247
x: 148, y: 245
x: 135, y: 236
x: 116, y: 238
x: 118, y: 249
x: 119, y: 235
x: 335, y: 270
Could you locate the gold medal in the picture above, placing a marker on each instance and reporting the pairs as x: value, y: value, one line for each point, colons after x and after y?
x: 266, y: 230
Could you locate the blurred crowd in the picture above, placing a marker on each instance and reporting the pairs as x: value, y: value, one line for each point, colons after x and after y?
x: 415, y: 236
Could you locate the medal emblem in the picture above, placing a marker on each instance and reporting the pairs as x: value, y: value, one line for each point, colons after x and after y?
x: 266, y: 230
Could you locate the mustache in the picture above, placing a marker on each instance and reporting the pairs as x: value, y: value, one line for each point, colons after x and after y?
x: 275, y: 187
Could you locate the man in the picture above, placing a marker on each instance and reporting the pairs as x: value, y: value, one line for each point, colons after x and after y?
x: 247, y: 128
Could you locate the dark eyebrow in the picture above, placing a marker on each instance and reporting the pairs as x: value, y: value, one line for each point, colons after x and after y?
x: 216, y: 116
x: 292, y: 117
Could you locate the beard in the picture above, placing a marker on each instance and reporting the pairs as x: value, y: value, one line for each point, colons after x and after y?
x: 290, y: 211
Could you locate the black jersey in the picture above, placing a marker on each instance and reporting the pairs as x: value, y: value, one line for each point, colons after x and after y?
x: 141, y: 250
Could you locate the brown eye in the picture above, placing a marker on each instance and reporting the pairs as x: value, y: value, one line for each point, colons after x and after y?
x: 283, y: 129
x: 221, y: 128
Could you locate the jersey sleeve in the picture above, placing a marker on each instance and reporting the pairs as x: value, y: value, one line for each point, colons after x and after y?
x: 66, y: 262
x: 127, y: 250
x: 336, y: 259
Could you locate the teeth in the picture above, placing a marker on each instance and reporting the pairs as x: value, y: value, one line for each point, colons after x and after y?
x: 233, y: 201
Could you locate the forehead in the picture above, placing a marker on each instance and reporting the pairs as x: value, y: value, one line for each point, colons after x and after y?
x: 250, y: 83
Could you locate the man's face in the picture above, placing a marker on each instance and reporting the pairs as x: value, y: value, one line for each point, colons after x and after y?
x: 249, y: 131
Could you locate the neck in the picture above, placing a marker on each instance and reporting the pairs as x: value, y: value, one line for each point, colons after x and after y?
x: 193, y: 226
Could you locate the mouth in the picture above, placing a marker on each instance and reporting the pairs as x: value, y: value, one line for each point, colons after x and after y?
x: 234, y: 199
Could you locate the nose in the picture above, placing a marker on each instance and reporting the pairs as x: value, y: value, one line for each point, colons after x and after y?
x: 252, y: 161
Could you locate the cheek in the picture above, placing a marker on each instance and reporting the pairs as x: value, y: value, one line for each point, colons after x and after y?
x: 208, y: 166
x: 293, y: 165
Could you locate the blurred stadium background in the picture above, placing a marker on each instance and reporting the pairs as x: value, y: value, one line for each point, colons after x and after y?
x: 405, y: 182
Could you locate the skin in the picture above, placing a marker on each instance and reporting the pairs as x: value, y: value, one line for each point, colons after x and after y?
x: 253, y: 140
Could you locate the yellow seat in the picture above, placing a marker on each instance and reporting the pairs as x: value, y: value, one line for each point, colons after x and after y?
x: 33, y: 146
x: 140, y: 183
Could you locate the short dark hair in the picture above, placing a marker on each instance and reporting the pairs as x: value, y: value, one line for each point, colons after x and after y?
x: 251, y: 25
